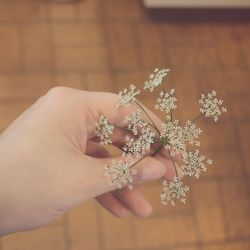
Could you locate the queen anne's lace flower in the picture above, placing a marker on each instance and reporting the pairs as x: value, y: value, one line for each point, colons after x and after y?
x: 104, y: 130
x: 172, y: 191
x: 172, y: 136
x: 135, y: 122
x: 191, y: 133
x: 120, y: 173
x: 155, y: 79
x: 127, y: 96
x: 211, y: 106
x: 193, y: 163
x: 166, y: 102
x: 137, y: 147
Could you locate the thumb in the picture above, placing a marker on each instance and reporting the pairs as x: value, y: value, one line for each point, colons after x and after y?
x: 148, y: 169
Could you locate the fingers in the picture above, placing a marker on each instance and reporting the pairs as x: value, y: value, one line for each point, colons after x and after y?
x: 148, y: 169
x: 134, y: 201
x: 97, y: 103
x: 96, y: 150
x: 113, y: 205
x: 108, y: 200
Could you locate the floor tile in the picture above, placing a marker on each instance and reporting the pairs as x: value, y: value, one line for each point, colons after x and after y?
x: 10, y: 48
x: 83, y: 227
x: 208, y: 211
x: 76, y: 34
x: 81, y: 58
x: 244, y: 143
x: 47, y: 238
x: 235, y: 195
x: 163, y: 231
x: 27, y: 85
x: 36, y: 47
x: 122, y: 45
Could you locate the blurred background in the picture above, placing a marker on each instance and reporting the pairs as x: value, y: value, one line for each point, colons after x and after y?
x: 104, y: 45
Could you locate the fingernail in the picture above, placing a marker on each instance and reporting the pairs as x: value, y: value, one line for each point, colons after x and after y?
x: 153, y: 172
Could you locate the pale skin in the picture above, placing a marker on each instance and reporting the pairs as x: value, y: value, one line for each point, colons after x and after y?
x: 50, y: 161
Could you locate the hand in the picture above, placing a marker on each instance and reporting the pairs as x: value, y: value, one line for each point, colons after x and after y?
x: 50, y: 162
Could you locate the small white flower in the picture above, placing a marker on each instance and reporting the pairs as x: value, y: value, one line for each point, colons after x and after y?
x: 172, y: 191
x: 166, y: 102
x: 121, y: 173
x: 127, y: 96
x: 137, y: 147
x: 135, y: 122
x: 211, y: 106
x: 104, y: 130
x: 191, y: 133
x: 193, y: 163
x: 155, y: 79
x: 173, y: 137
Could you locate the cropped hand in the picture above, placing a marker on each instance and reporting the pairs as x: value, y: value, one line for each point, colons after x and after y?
x: 50, y: 161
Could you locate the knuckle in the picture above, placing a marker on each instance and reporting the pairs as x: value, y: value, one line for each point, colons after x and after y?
x: 58, y: 91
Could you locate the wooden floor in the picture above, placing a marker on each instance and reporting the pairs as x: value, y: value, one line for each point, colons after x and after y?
x: 106, y: 45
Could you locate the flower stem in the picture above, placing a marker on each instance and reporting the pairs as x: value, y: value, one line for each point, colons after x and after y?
x: 157, y: 150
x: 197, y: 117
x: 153, y: 124
x: 175, y: 168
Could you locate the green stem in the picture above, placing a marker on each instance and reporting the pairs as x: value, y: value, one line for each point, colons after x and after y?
x: 197, y: 117
x: 158, y: 150
x: 176, y: 173
x: 153, y: 124
x: 153, y: 154
x: 171, y: 115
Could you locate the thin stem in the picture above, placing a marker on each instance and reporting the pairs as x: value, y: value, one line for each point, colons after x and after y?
x: 176, y: 173
x: 148, y: 116
x: 171, y: 115
x: 197, y: 117
x: 163, y: 89
x: 153, y: 127
x: 158, y: 150
x: 153, y: 154
x: 137, y: 161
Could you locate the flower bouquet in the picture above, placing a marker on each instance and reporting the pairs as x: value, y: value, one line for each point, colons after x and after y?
x: 179, y: 140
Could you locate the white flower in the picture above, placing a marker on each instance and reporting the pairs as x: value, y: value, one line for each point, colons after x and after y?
x: 191, y: 133
x: 193, y: 163
x: 172, y: 136
x: 172, y: 191
x: 135, y: 122
x: 137, y: 147
x: 104, y: 130
x: 166, y: 102
x: 211, y: 106
x: 121, y: 173
x: 155, y: 79
x: 127, y: 96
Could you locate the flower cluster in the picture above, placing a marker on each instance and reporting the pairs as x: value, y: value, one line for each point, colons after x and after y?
x: 127, y: 96
x: 211, y: 106
x: 193, y: 163
x: 166, y: 102
x: 135, y: 122
x: 155, y: 79
x: 121, y: 173
x: 172, y: 137
x: 145, y: 139
x: 104, y: 130
x: 173, y: 191
x: 191, y: 133
x: 135, y: 148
